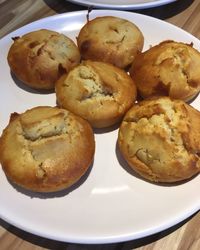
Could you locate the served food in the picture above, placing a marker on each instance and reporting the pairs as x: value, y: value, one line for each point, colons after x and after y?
x: 46, y: 149
x: 110, y: 39
x: 40, y: 57
x: 160, y: 139
x: 168, y: 69
x: 99, y: 92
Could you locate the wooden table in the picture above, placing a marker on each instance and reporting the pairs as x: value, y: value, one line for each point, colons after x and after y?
x: 186, y: 235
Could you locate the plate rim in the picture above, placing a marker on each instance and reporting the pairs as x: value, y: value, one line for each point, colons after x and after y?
x: 105, y: 239
x: 136, y: 6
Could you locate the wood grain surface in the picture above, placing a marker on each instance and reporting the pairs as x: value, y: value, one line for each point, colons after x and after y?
x: 185, y: 235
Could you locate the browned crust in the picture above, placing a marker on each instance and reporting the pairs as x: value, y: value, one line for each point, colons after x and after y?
x: 40, y: 57
x: 99, y: 92
x: 110, y: 39
x: 160, y: 140
x: 47, y: 162
x: 168, y: 69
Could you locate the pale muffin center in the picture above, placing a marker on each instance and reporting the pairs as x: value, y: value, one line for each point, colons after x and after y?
x: 93, y: 85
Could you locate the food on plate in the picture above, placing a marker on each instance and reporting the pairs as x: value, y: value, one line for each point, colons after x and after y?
x: 110, y: 39
x: 46, y: 149
x: 168, y: 69
x: 160, y: 139
x: 97, y: 91
x: 40, y: 57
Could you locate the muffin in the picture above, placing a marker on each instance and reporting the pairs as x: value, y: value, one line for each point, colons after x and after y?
x: 110, y: 39
x: 168, y: 69
x: 46, y: 149
x: 160, y: 139
x: 99, y: 92
x: 40, y: 57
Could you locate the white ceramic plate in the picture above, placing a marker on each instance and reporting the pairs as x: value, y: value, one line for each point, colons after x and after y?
x: 110, y: 205
x: 122, y: 4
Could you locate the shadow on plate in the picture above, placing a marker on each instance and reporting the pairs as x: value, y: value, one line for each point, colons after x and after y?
x: 63, y: 6
x: 161, y: 12
x: 61, y: 193
x: 26, y: 88
x: 107, y: 129
x: 168, y: 10
x: 193, y: 99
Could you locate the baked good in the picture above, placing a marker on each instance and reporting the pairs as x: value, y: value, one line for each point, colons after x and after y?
x: 160, y: 139
x: 99, y: 92
x: 168, y: 69
x: 40, y: 57
x: 46, y: 149
x: 110, y: 39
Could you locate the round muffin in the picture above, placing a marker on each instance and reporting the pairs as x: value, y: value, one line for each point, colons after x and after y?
x: 160, y: 139
x: 40, y: 57
x: 46, y: 149
x: 168, y: 69
x: 110, y: 39
x: 99, y: 92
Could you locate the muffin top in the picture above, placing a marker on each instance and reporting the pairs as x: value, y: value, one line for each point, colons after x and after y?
x: 99, y: 92
x: 46, y: 149
x: 160, y: 139
x: 168, y: 69
x: 40, y: 57
x: 110, y: 39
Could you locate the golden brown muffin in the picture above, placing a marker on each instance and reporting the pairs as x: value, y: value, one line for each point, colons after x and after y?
x: 160, y: 139
x: 40, y: 57
x: 168, y: 69
x: 46, y: 149
x: 110, y: 39
x: 99, y: 92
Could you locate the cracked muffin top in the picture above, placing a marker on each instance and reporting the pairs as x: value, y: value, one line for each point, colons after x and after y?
x: 46, y: 149
x: 160, y: 139
x: 110, y: 39
x: 40, y: 57
x: 168, y: 69
x: 99, y: 92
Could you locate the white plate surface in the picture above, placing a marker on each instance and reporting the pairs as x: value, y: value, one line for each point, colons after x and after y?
x: 123, y: 4
x: 110, y: 205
